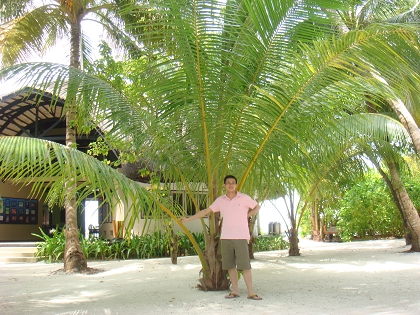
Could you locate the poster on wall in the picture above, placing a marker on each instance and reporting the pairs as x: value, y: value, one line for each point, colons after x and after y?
x: 19, y: 211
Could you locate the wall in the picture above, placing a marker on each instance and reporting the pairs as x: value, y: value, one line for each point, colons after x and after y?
x: 23, y: 232
x: 19, y: 232
x: 141, y: 226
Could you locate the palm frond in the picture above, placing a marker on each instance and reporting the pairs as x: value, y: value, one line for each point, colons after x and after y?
x: 411, y: 15
x: 11, y: 9
x: 22, y: 37
x: 98, y: 104
x: 48, y: 166
x: 242, y: 89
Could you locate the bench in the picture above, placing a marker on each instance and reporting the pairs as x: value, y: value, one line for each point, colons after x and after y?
x: 331, y: 232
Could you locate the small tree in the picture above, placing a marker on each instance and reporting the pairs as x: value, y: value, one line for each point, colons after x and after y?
x: 367, y: 210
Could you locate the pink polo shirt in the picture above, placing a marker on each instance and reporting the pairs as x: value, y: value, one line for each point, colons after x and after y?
x: 235, y: 215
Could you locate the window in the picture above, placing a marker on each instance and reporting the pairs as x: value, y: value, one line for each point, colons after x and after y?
x: 184, y: 201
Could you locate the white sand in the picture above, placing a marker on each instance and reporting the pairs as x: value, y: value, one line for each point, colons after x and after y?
x: 372, y: 277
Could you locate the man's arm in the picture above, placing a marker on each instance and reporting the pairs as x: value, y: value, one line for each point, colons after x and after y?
x: 254, y: 211
x: 198, y: 215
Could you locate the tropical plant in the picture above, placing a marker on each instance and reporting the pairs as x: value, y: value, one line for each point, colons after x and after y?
x: 52, y: 246
x: 269, y: 243
x: 32, y: 26
x: 247, y: 87
x: 367, y: 211
x: 357, y: 15
x: 155, y: 245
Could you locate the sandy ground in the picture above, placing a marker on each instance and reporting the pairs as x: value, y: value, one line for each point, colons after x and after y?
x: 371, y: 277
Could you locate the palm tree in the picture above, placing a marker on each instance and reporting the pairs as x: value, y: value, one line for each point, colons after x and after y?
x: 26, y: 29
x: 400, y: 196
x: 359, y: 138
x: 243, y: 89
x: 360, y: 15
x: 248, y: 94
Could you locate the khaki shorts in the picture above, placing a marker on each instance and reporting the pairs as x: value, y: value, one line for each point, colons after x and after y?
x: 235, y: 254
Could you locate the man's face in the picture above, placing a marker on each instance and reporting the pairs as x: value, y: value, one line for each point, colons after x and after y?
x: 230, y: 185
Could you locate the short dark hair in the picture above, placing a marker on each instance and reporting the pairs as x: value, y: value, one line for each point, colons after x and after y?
x: 229, y: 176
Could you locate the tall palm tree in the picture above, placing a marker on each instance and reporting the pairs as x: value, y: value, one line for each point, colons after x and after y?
x: 399, y: 193
x: 359, y: 138
x: 248, y: 89
x: 245, y: 88
x: 357, y: 16
x: 35, y: 26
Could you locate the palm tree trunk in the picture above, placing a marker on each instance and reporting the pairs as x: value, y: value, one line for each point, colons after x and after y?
x: 251, y: 226
x: 408, y: 122
x: 394, y: 196
x: 293, y: 231
x: 410, y: 212
x: 215, y: 278
x: 316, y: 235
x: 74, y: 259
x: 294, y: 242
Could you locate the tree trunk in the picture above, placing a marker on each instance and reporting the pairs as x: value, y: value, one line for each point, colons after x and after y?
x: 395, y: 196
x: 74, y: 259
x: 410, y: 212
x: 174, y: 248
x: 294, y: 242
x: 410, y: 125
x: 315, y: 222
x: 251, y: 225
x: 408, y: 122
x: 215, y: 279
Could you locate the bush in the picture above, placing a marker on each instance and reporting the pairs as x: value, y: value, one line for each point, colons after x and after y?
x: 52, y: 247
x: 368, y: 211
x: 154, y: 245
x: 268, y: 243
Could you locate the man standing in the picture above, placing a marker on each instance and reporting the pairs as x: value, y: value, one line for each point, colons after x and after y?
x: 235, y: 208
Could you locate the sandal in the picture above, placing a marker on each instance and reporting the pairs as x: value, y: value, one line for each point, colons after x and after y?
x: 255, y: 297
x: 231, y: 295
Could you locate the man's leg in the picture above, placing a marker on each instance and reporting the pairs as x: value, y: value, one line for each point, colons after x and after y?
x: 233, y: 274
x: 228, y: 263
x: 247, y: 274
x: 248, y: 281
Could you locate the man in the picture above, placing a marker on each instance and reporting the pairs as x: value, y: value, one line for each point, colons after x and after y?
x: 235, y: 208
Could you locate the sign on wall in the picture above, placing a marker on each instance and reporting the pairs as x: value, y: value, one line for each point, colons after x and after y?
x: 19, y: 211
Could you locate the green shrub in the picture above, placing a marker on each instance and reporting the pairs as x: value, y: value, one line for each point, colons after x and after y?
x: 268, y: 243
x: 154, y: 245
x: 368, y: 211
x: 52, y: 247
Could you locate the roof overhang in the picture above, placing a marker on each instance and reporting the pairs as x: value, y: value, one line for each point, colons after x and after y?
x: 30, y: 113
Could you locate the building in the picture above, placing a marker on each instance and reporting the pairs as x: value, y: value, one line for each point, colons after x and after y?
x: 38, y: 114
x: 32, y: 113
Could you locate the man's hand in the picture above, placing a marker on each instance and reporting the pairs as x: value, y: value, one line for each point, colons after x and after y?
x: 183, y: 219
x: 198, y: 215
